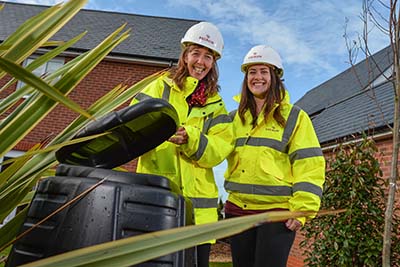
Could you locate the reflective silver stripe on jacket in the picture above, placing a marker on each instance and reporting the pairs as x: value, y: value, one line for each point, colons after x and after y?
x: 260, y: 141
x: 142, y: 96
x: 165, y: 95
x: 305, y: 153
x: 167, y: 91
x: 232, y: 114
x: 211, y: 122
x: 258, y: 189
x: 268, y: 190
x: 202, y: 147
x: 207, y: 123
x: 290, y: 124
x: 307, y: 187
x: 282, y: 146
x: 204, y: 203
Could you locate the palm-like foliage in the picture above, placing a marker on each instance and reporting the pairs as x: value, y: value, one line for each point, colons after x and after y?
x: 44, y: 94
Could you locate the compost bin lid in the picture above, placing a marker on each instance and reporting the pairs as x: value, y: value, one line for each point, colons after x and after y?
x: 132, y: 131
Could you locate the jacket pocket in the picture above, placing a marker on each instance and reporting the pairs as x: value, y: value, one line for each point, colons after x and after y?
x: 274, y: 164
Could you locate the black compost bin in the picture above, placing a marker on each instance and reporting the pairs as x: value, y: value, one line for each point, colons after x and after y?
x: 123, y: 205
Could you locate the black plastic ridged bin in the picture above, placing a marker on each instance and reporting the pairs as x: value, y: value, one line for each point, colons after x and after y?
x: 123, y: 205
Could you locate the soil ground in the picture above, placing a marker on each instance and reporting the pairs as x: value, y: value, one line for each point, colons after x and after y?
x: 220, y: 252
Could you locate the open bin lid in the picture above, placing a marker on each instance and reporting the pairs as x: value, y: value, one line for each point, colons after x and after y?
x: 133, y: 131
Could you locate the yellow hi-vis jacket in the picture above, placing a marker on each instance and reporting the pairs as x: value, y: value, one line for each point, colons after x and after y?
x: 275, y: 167
x: 210, y: 140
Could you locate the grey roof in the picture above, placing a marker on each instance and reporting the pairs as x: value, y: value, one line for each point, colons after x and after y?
x: 344, y: 85
x: 151, y: 37
x: 346, y: 106
x: 370, y: 109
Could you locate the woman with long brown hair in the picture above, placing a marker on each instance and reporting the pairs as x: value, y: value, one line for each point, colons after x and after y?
x: 204, y: 138
x: 277, y: 163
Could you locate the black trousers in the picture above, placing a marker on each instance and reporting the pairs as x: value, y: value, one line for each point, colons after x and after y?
x: 267, y: 245
x: 203, y: 255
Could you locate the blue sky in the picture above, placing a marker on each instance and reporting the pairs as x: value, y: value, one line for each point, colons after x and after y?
x: 308, y: 34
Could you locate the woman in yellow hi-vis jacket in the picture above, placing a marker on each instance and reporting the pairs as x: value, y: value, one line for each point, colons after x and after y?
x: 205, y: 137
x: 277, y: 163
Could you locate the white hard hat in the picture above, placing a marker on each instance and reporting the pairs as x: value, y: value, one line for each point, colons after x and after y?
x: 205, y: 34
x: 263, y: 54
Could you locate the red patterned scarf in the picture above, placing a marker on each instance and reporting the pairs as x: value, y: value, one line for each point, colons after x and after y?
x: 198, y: 98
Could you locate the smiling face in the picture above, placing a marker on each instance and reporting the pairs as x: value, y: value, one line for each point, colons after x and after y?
x: 199, y: 61
x: 259, y: 80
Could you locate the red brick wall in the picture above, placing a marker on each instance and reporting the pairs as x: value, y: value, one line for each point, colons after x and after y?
x: 385, y: 157
x: 295, y: 258
x: 103, y: 78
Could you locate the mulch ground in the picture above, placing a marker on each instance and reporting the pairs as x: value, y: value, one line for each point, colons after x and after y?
x: 220, y: 252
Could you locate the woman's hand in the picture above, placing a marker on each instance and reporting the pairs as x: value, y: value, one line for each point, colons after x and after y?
x: 293, y: 224
x: 180, y: 137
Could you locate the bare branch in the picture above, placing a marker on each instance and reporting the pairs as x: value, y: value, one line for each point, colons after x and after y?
x: 376, y: 16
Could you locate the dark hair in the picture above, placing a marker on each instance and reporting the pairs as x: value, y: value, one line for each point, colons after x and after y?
x: 180, y: 72
x: 275, y: 95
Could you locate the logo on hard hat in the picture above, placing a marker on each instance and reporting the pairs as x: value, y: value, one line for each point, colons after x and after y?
x: 255, y: 55
x: 206, y: 39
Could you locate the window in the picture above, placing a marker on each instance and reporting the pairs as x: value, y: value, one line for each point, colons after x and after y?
x: 387, y: 74
x: 9, y: 155
x: 47, y: 68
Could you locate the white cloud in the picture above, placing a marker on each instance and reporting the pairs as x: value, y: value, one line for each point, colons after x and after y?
x: 37, y: 2
x: 306, y: 33
x: 251, y: 22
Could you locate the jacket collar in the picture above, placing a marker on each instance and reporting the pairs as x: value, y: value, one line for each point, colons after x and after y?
x: 190, y: 85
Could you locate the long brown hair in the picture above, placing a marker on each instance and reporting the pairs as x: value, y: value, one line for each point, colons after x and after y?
x: 275, y: 94
x: 180, y: 72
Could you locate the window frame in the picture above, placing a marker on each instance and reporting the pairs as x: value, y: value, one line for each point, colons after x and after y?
x: 10, y: 154
x: 27, y: 61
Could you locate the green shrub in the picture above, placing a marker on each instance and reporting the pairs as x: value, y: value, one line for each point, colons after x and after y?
x: 354, y: 238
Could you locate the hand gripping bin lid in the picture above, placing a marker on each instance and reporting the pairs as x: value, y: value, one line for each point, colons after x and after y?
x: 132, y: 131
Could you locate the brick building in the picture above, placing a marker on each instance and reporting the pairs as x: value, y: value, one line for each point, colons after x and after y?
x: 341, y: 108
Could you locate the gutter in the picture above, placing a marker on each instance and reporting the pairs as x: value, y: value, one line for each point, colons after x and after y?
x: 381, y: 136
x: 123, y: 59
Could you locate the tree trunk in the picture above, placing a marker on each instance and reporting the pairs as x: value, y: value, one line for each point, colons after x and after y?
x: 386, y: 251
x: 392, y: 190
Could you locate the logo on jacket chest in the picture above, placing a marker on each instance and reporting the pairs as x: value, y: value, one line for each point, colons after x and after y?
x: 272, y: 129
